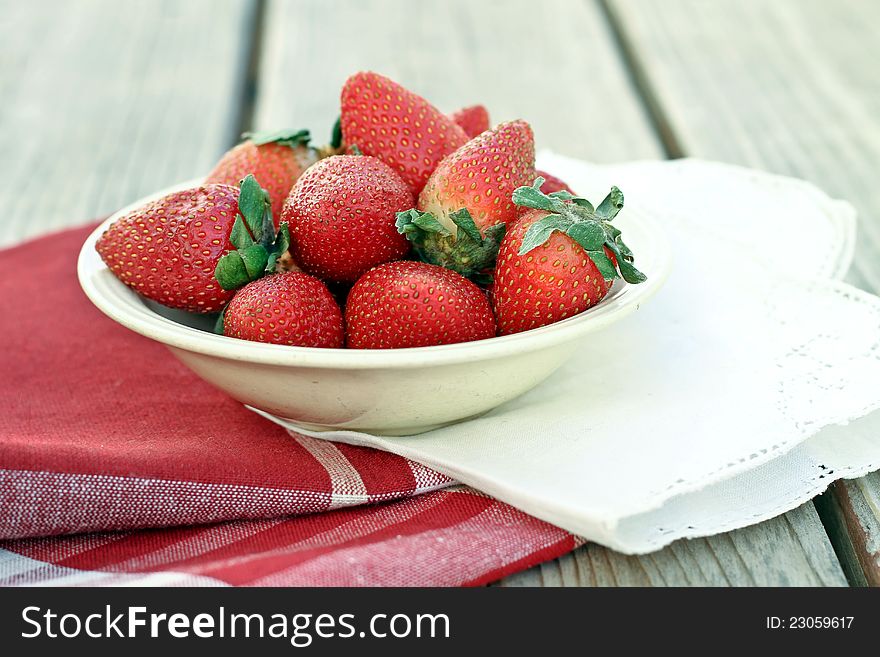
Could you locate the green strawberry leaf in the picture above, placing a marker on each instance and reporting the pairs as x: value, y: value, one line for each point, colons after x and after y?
x: 271, y: 261
x: 253, y: 235
x: 539, y: 232
x: 411, y: 222
x: 282, y: 241
x: 583, y: 203
x: 589, y: 227
x: 603, y: 264
x: 623, y: 248
x: 254, y: 258
x: 532, y: 198
x: 465, y: 222
x: 492, y: 237
x: 464, y: 254
x: 288, y: 137
x: 354, y: 149
x: 230, y: 271
x: 610, y: 205
x: 460, y: 253
x: 278, y: 247
x: 484, y: 278
x: 267, y: 230
x: 563, y: 195
x: 588, y: 234
x: 252, y: 202
x: 240, y: 236
x: 630, y: 273
x: 336, y: 135
x: 218, y: 325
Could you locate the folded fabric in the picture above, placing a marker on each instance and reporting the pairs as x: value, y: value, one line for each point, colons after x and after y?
x: 716, y: 405
x: 105, y: 430
x: 453, y: 537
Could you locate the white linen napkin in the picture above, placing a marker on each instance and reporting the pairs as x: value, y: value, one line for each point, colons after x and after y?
x: 720, y: 403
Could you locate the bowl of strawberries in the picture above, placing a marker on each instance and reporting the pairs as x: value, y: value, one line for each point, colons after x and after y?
x: 416, y: 271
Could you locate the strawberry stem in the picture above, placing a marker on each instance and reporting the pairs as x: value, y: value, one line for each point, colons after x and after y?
x: 257, y: 245
x: 590, y: 227
x: 292, y: 138
x: 467, y: 252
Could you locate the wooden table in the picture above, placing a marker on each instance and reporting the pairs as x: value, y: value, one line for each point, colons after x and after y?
x: 104, y: 101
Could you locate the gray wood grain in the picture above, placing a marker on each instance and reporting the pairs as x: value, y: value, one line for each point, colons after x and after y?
x: 858, y: 508
x: 791, y: 87
x: 572, y: 87
x: 439, y: 50
x: 106, y: 101
x: 786, y: 551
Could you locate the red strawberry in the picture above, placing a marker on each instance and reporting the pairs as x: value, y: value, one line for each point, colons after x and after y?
x: 467, y: 201
x: 189, y: 249
x: 341, y: 215
x: 474, y: 120
x: 290, y: 308
x: 553, y: 263
x: 399, y: 127
x: 414, y: 304
x: 275, y: 158
x: 553, y: 184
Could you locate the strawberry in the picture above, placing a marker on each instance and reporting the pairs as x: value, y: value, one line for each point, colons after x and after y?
x: 414, y: 304
x: 463, y: 209
x: 553, y: 184
x: 554, y: 261
x: 399, y: 127
x: 341, y: 215
x: 474, y: 120
x: 290, y: 308
x: 275, y: 158
x: 189, y: 249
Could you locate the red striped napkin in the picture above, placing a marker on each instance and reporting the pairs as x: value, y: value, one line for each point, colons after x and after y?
x: 104, y: 431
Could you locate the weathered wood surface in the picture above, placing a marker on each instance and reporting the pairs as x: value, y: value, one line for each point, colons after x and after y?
x: 786, y: 551
x: 790, y: 86
x: 858, y: 506
x: 116, y: 100
x: 106, y: 101
x: 597, y: 115
x: 572, y: 87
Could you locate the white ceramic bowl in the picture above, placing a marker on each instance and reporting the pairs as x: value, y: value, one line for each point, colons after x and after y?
x: 383, y: 391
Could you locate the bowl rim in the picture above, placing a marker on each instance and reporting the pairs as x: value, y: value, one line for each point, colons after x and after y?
x: 127, y: 308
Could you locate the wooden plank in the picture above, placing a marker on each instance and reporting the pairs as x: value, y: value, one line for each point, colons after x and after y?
x: 786, y: 551
x: 572, y: 87
x: 106, y: 101
x: 832, y: 515
x: 446, y: 54
x: 791, y: 87
x: 858, y: 507
x: 788, y: 86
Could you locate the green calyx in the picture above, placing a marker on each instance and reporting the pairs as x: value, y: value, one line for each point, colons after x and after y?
x: 588, y: 226
x: 292, y: 138
x: 336, y: 134
x: 219, y: 324
x: 468, y: 252
x: 257, y: 245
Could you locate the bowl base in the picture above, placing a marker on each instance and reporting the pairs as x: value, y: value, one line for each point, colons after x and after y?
x: 392, y: 431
